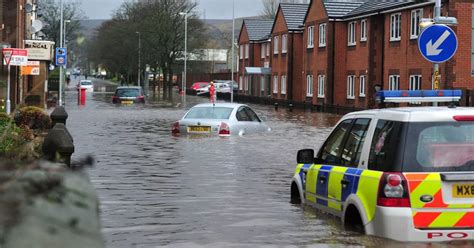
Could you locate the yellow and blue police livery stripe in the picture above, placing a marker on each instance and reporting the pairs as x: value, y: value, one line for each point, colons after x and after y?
x: 322, y: 185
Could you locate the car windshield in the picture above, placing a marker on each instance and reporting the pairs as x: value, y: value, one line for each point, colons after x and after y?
x: 438, y: 147
x: 127, y: 92
x: 86, y: 83
x: 209, y: 113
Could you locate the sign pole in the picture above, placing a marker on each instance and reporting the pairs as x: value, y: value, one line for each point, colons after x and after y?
x: 61, y: 70
x: 437, y: 14
x: 8, y: 103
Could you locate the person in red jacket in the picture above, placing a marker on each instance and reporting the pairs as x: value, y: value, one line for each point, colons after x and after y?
x: 212, y: 93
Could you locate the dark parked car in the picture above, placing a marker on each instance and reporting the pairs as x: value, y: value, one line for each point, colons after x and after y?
x: 128, y: 95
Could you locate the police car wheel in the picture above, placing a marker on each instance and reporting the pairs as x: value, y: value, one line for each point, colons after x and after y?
x: 353, y: 221
x: 295, y: 194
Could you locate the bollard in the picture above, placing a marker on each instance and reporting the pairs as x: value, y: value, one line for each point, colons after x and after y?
x: 276, y: 106
x: 81, y: 96
x: 59, y: 115
x: 58, y: 145
x: 290, y: 107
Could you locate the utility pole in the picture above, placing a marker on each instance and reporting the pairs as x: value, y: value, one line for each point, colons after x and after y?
x: 233, y: 51
x: 183, y: 83
x: 61, y: 69
x: 139, y: 58
x: 437, y: 14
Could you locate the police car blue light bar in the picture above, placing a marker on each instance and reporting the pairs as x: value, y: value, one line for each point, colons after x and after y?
x: 399, y: 96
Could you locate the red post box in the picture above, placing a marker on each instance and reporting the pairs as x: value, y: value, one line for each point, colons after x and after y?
x: 81, y: 96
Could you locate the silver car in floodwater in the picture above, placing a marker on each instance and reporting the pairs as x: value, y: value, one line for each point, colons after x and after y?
x: 223, y: 119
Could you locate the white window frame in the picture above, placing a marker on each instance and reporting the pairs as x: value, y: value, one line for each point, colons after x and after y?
x: 415, y: 82
x: 309, y: 85
x: 283, y: 85
x: 350, y: 87
x: 269, y: 46
x: 247, y: 48
x: 275, y: 44
x: 396, y: 27
x: 322, y: 35
x: 394, y: 82
x: 275, y: 84
x: 321, y: 86
x: 363, y: 30
x: 310, y: 36
x: 262, y: 83
x: 362, y: 85
x: 241, y: 83
x: 262, y: 50
x: 241, y: 51
x: 284, y: 43
x: 351, y: 34
x: 415, y: 28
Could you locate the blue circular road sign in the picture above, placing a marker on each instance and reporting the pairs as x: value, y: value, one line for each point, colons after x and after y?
x: 438, y: 43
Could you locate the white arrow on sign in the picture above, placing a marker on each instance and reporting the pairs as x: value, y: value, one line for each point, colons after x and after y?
x: 432, y: 49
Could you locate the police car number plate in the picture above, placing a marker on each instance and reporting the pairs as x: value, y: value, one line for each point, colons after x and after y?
x: 199, y: 129
x: 463, y: 190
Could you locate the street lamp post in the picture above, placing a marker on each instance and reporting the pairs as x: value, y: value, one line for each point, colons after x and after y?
x: 61, y: 69
x: 233, y: 51
x: 183, y: 83
x: 139, y: 57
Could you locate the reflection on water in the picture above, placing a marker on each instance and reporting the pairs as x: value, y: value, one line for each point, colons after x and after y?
x: 159, y: 190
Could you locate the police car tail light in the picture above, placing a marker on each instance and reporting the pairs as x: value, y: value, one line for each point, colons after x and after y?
x: 463, y: 117
x: 175, y: 128
x: 393, y: 191
x: 224, y: 129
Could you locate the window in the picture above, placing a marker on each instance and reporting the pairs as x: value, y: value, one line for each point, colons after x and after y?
x: 310, y: 36
x: 355, y: 141
x: 246, y: 114
x: 262, y: 83
x: 262, y: 51
x: 284, y: 43
x: 362, y: 86
x: 351, y: 41
x: 322, y: 35
x: 246, y: 83
x: 283, y: 84
x: 209, y: 113
x: 416, y: 16
x: 350, y: 87
x: 268, y: 49
x: 385, y: 146
x: 321, y: 84
x: 241, y: 51
x: 275, y: 84
x: 330, y: 153
x: 309, y: 85
x: 275, y: 45
x: 363, y: 30
x: 251, y: 114
x: 246, y: 51
x: 241, y: 83
x: 415, y: 82
x: 394, y: 82
x: 395, y: 27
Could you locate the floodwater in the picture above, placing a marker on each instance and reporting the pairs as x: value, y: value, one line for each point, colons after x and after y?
x: 157, y: 190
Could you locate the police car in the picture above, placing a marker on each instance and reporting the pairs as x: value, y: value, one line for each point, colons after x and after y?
x: 403, y: 173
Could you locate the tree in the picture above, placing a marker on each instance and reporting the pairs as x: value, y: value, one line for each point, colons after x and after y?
x: 161, y: 29
x: 50, y: 15
x: 270, y: 7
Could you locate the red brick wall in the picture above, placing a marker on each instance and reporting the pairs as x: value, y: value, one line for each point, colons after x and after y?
x: 279, y: 61
x: 298, y: 81
x: 403, y: 57
x: 316, y: 59
x: 461, y: 66
x: 340, y: 62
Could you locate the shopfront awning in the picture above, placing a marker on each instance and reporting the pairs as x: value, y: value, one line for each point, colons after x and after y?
x: 258, y: 71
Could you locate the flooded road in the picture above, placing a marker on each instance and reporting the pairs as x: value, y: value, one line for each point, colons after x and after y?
x: 157, y: 190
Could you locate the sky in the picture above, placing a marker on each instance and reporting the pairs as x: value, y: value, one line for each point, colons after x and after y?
x: 211, y: 9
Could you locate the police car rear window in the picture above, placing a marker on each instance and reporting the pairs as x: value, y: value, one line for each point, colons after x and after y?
x: 438, y: 147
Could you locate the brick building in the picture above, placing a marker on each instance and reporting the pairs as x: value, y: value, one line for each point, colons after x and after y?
x: 287, y: 42
x: 338, y: 52
x: 254, y: 57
